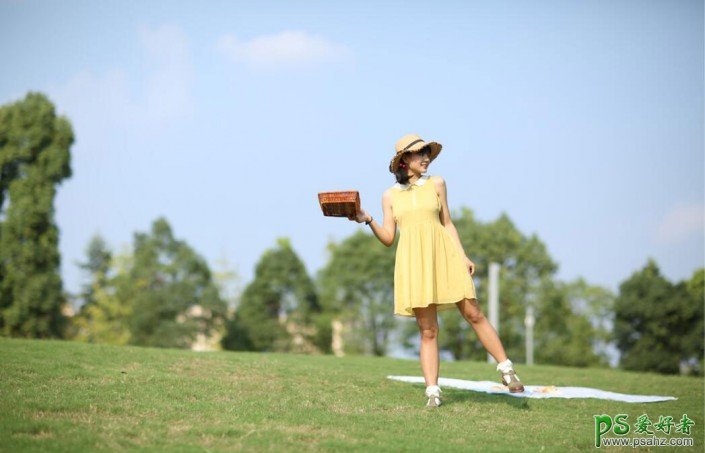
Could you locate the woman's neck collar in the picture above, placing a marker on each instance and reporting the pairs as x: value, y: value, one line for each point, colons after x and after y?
x: 419, y: 176
x: 419, y: 182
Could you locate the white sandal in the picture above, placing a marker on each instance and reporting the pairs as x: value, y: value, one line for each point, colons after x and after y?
x: 433, y: 392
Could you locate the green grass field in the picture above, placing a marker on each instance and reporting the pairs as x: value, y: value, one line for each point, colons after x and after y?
x: 66, y: 396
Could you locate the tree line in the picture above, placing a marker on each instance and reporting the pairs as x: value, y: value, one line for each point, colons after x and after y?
x: 162, y: 293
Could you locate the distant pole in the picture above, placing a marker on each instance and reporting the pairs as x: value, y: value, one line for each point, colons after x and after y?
x: 529, y: 321
x: 493, y: 301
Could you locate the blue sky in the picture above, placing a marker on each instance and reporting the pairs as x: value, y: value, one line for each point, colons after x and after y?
x: 582, y: 120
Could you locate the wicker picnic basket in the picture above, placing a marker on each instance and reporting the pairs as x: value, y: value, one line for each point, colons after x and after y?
x: 340, y: 203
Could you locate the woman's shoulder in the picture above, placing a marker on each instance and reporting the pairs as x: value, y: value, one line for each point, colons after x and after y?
x: 437, y: 180
x: 396, y: 187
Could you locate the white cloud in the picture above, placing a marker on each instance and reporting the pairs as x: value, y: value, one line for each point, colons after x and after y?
x: 168, y: 91
x: 682, y: 221
x: 287, y: 48
x: 167, y: 46
x: 163, y: 94
x: 96, y: 102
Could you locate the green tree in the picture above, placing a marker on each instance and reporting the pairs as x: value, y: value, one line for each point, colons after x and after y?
x: 228, y: 280
x: 595, y: 304
x: 170, y: 291
x: 97, y: 266
x: 277, y: 310
x: 693, y: 341
x: 658, y: 325
x: 34, y: 159
x: 103, y: 317
x: 563, y: 336
x: 106, y: 318
x: 357, y: 288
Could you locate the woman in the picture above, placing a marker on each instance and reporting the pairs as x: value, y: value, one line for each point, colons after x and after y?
x: 431, y: 272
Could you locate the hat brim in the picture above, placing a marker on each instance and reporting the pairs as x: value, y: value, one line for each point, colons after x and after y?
x: 435, y: 151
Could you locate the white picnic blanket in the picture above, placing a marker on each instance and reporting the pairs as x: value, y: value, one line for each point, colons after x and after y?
x: 537, y: 391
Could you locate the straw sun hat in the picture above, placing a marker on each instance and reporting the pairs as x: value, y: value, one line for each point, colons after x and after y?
x: 412, y: 143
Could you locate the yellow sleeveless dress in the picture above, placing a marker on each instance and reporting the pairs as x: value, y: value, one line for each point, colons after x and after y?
x: 429, y: 268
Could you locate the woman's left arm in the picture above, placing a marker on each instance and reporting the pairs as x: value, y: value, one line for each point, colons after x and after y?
x: 448, y: 223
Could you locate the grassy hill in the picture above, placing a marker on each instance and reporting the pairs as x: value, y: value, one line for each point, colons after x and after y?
x: 67, y: 396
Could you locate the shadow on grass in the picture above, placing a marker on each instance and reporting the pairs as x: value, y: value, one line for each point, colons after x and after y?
x: 456, y: 396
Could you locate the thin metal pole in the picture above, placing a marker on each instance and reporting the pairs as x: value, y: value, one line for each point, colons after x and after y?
x: 493, y: 301
x: 529, y: 321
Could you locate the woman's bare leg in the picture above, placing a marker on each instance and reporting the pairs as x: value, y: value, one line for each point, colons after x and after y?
x: 428, y: 328
x: 470, y: 309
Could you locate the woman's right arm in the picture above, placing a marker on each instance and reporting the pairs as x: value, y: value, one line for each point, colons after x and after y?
x: 388, y: 230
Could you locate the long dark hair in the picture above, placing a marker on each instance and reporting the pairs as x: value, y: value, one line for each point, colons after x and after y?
x: 402, y: 173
